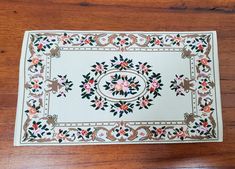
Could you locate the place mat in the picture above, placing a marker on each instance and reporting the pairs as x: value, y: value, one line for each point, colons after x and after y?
x: 103, y: 87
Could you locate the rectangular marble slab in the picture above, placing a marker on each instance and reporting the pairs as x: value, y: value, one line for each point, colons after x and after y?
x: 104, y: 87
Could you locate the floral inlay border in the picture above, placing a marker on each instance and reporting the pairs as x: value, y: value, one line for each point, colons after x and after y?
x: 37, y: 128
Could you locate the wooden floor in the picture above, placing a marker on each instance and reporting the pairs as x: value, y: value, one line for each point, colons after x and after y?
x: 148, y: 15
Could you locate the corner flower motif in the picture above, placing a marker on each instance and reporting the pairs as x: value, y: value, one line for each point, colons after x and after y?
x: 37, y: 130
x: 42, y: 42
x: 198, y: 45
x: 202, y: 128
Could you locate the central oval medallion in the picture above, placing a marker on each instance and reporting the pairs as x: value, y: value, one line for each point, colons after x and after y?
x: 119, y: 86
x: 116, y: 85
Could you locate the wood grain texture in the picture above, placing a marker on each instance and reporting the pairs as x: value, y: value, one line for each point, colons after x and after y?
x: 129, y: 15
